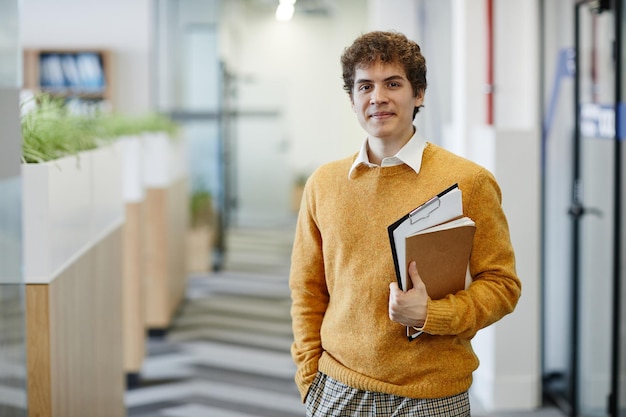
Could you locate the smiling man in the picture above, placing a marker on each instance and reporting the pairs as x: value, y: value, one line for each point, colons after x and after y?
x: 349, y: 316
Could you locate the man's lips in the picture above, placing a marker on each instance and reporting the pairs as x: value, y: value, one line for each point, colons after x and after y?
x: 381, y: 115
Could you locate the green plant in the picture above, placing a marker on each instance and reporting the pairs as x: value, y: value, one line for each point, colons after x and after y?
x: 201, y: 208
x: 50, y: 132
x: 156, y: 122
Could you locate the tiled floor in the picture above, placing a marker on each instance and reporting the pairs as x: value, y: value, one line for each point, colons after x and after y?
x: 227, y: 353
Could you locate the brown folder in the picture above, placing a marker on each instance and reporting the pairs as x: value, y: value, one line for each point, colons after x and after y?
x: 441, y: 258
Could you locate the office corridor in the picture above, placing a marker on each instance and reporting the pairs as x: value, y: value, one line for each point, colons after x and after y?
x: 227, y: 352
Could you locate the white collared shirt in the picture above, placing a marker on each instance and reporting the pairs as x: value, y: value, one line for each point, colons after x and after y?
x: 410, y: 154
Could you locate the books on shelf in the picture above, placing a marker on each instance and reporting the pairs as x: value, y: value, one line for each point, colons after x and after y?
x: 79, y: 73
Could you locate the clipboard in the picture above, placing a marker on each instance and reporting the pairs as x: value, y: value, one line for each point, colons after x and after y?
x: 445, y: 206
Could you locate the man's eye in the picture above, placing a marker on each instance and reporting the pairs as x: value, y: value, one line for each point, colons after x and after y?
x: 364, y: 87
x: 394, y: 84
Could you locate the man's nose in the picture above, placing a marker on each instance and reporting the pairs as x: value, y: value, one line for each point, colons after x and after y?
x: 378, y: 96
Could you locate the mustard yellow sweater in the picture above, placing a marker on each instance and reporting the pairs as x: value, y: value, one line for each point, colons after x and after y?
x: 342, y: 267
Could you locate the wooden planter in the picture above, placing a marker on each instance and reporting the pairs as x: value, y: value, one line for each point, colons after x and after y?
x: 133, y: 270
x: 73, y: 223
x: 167, y: 197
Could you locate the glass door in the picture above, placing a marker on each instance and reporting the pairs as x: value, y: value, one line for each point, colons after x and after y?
x: 584, y: 270
x: 593, y: 209
x: 596, y: 211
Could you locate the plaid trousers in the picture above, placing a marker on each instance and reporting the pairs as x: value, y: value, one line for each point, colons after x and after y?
x: 330, y: 398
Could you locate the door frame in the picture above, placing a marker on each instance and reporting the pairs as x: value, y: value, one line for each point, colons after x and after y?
x: 618, y: 238
x: 578, y: 210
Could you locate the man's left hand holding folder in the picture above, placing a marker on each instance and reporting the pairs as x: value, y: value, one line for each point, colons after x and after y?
x: 409, y: 308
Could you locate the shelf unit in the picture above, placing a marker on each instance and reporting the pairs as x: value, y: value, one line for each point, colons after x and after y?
x: 80, y: 74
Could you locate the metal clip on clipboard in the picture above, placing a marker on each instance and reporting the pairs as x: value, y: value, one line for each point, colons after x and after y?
x: 428, y: 207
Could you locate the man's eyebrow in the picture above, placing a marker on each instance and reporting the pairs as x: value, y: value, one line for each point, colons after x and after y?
x: 390, y: 78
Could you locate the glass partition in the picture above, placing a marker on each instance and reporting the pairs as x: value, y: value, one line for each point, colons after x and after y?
x: 10, y: 51
x: 13, y: 398
x: 190, y: 86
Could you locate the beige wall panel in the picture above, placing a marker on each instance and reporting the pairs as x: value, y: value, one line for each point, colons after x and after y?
x: 134, y: 317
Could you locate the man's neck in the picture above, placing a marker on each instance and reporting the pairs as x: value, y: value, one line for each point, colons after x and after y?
x: 379, y: 149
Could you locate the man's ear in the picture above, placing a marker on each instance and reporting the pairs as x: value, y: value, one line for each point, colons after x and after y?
x: 419, y: 98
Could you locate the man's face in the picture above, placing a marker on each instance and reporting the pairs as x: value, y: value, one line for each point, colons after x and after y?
x: 383, y: 101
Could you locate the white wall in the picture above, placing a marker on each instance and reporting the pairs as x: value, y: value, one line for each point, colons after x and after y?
x: 516, y: 372
x: 119, y: 25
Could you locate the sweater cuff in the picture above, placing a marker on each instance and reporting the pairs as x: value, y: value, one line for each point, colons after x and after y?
x: 437, y: 320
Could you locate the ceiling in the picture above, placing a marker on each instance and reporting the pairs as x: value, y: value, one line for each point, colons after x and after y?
x: 309, y: 7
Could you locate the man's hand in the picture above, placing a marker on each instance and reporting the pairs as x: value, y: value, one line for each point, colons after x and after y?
x: 409, y: 308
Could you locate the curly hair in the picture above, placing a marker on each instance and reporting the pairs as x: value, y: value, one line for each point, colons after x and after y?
x: 389, y: 48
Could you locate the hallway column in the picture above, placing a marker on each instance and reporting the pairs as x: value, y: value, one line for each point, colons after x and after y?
x: 509, y: 351
x: 516, y: 374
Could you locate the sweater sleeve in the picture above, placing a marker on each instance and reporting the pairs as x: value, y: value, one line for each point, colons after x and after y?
x: 496, y: 288
x: 309, y: 295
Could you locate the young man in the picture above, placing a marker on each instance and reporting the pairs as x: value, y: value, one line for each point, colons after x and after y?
x: 349, y: 316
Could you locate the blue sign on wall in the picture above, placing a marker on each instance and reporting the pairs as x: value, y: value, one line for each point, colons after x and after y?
x: 621, y: 121
x: 598, y: 120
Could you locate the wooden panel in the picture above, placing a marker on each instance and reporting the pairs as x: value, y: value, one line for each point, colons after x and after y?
x: 134, y: 317
x: 166, y: 272
x: 38, y: 350
x: 178, y: 222
x: 110, y: 380
x: 156, y: 259
x: 31, y: 70
x: 199, y: 249
x: 84, y: 324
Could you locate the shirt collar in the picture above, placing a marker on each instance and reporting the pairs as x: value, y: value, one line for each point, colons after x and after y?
x: 410, y: 154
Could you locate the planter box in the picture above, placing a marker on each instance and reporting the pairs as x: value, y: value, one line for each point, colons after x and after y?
x: 133, y: 190
x: 164, y: 160
x: 134, y: 242
x: 73, y: 219
x: 107, y: 202
x: 56, y: 215
x: 167, y: 212
x: 68, y: 204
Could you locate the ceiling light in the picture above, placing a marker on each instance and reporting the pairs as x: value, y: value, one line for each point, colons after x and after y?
x: 284, y: 11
